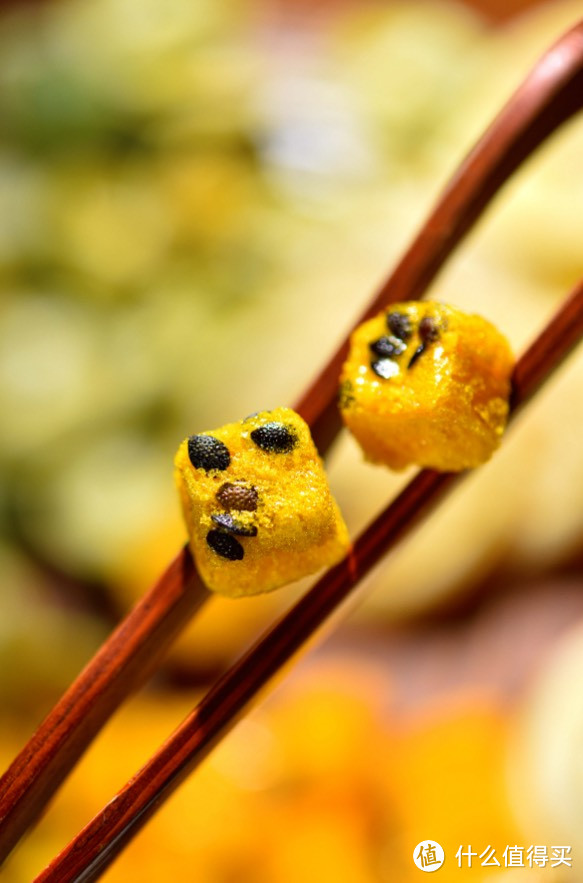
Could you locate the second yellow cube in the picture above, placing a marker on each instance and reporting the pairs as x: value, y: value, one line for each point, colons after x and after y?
x: 427, y: 384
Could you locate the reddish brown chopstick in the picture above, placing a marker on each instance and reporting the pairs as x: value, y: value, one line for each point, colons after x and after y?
x: 125, y: 661
x: 551, y: 93
x: 93, y: 850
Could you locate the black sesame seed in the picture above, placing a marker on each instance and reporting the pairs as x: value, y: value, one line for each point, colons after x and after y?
x: 230, y: 524
x: 387, y: 347
x: 225, y: 545
x: 238, y: 496
x: 207, y: 452
x: 399, y: 324
x: 428, y: 329
x: 418, y: 352
x: 384, y: 368
x: 275, y: 438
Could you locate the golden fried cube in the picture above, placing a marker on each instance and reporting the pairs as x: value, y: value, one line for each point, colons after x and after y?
x: 427, y: 384
x: 257, y: 504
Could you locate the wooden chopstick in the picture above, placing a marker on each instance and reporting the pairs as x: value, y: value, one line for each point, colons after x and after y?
x: 550, y: 94
x: 93, y: 850
x: 124, y: 662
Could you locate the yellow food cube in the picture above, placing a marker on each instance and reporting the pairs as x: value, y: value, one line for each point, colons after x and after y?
x: 427, y: 384
x: 257, y: 504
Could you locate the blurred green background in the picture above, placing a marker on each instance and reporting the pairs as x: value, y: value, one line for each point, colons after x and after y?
x: 196, y: 201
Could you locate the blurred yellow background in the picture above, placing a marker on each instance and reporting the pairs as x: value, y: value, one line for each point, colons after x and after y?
x: 196, y: 201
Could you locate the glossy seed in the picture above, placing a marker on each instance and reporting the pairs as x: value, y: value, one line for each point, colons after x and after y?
x: 225, y: 545
x: 274, y: 438
x: 399, y: 324
x: 207, y: 452
x: 428, y: 329
x: 387, y: 347
x: 384, y: 368
x: 418, y: 352
x: 238, y: 496
x: 230, y: 524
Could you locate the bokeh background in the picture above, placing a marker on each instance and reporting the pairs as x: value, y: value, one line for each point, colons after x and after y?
x: 196, y: 201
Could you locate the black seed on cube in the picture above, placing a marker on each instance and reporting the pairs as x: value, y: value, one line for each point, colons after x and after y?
x: 399, y: 324
x: 227, y: 522
x: 418, y: 352
x: 225, y: 545
x: 275, y: 438
x: 387, y: 347
x: 237, y: 496
x: 428, y: 330
x: 207, y: 452
x: 384, y: 368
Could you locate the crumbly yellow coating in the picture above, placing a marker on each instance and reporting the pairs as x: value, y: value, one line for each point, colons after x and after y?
x: 273, y: 487
x: 443, y: 403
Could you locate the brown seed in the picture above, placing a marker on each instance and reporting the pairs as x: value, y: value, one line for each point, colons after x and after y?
x: 237, y: 495
x: 428, y: 329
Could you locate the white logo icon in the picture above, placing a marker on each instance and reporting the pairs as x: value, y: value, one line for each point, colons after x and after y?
x: 428, y: 856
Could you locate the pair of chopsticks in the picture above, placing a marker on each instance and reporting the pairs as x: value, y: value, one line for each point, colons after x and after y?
x: 551, y: 93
